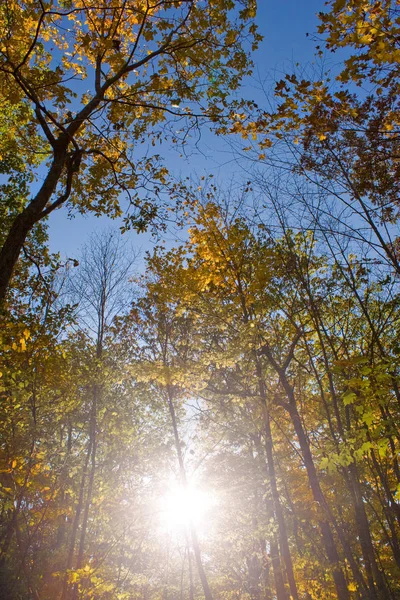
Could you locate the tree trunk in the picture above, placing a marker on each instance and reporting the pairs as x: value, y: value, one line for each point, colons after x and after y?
x: 76, y: 522
x: 182, y: 472
x: 283, y: 537
x: 327, y: 536
x: 24, y: 222
x: 374, y: 575
x: 93, y: 425
x: 326, y: 532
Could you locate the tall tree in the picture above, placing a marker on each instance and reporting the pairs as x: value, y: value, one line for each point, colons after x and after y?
x: 146, y: 63
x: 293, y: 318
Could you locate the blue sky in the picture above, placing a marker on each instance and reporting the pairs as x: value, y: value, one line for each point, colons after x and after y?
x: 284, y: 25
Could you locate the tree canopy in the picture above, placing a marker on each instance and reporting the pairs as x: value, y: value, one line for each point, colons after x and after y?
x: 86, y: 84
x: 220, y: 421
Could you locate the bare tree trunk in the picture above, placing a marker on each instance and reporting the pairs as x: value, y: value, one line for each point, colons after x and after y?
x: 326, y: 532
x: 374, y: 575
x: 93, y: 425
x: 182, y: 472
x: 265, y: 571
x: 190, y: 567
x: 75, y: 525
x: 274, y: 554
x: 283, y: 537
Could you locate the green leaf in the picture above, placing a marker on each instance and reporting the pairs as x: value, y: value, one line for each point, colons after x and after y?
x: 349, y: 398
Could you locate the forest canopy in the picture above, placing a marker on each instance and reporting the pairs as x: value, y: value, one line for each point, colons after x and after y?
x: 219, y: 418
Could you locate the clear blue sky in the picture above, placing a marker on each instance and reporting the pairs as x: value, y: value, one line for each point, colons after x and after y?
x: 284, y: 24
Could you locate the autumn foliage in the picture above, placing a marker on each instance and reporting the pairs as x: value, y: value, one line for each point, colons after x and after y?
x: 256, y: 361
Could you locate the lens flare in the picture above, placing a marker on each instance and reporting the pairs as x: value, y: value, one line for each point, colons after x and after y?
x: 182, y: 506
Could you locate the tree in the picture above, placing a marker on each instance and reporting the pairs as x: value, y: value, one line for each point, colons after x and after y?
x: 98, y: 289
x: 163, y: 344
x: 147, y: 65
x: 338, y: 130
x: 71, y: 424
x: 271, y: 311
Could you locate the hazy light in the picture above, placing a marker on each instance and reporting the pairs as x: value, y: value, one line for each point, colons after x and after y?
x: 181, y: 506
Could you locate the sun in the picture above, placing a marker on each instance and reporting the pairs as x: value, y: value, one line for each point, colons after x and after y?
x: 182, y: 506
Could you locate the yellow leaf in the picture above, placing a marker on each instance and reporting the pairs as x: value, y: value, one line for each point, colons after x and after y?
x: 322, y: 137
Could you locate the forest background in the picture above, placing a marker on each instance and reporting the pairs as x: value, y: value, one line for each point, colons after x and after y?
x: 219, y: 418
